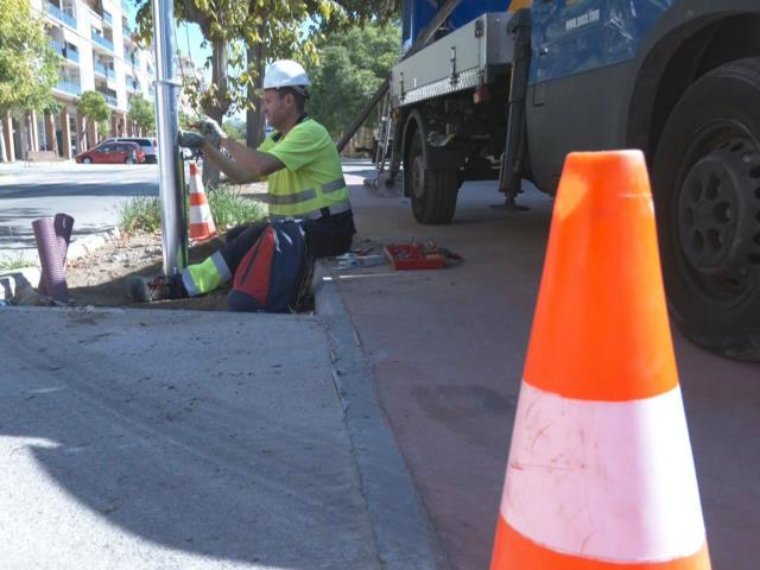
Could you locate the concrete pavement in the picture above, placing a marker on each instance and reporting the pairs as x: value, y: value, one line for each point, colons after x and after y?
x: 153, y: 439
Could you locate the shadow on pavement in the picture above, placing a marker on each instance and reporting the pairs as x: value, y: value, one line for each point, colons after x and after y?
x: 226, y: 460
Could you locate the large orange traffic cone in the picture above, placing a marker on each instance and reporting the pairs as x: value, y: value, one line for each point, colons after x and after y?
x: 600, y: 472
x: 202, y: 225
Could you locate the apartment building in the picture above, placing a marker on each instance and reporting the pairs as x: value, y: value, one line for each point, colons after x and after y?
x: 98, y: 53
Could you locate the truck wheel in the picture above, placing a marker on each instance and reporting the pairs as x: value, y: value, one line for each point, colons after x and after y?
x: 433, y: 192
x: 706, y: 177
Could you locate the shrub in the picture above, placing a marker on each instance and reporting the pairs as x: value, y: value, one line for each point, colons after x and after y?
x: 228, y: 208
x: 9, y: 263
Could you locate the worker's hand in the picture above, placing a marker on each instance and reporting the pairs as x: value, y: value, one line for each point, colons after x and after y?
x: 192, y: 140
x: 211, y: 130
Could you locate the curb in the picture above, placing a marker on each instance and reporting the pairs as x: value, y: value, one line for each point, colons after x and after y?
x: 389, y: 492
x: 17, y: 282
x: 87, y: 245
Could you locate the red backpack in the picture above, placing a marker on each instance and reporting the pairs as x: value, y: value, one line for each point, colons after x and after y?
x: 275, y: 273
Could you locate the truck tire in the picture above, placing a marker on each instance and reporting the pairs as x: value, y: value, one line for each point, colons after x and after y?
x: 433, y: 192
x: 706, y: 176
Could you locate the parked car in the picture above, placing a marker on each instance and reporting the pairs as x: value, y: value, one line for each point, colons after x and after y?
x: 148, y: 145
x: 112, y: 153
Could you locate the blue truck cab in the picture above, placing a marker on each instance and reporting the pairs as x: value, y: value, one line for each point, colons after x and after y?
x: 507, y: 89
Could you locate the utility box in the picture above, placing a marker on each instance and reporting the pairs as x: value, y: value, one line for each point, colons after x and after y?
x: 478, y: 53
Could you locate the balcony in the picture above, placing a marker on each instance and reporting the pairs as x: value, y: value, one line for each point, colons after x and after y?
x: 71, y: 54
x: 107, y: 18
x: 109, y: 97
x: 69, y: 87
x: 60, y: 15
x: 65, y: 50
x: 104, y: 71
x: 101, y: 41
x: 57, y: 46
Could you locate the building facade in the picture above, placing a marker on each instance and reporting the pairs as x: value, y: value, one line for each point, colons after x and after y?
x: 94, y: 40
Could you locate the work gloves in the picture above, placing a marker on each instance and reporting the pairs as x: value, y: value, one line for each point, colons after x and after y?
x: 192, y: 140
x: 211, y: 133
x: 211, y: 130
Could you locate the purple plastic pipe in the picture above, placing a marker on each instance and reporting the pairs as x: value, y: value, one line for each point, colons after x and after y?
x: 53, y: 268
x: 63, y: 225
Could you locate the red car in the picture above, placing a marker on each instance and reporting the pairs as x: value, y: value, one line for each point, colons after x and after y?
x: 112, y: 153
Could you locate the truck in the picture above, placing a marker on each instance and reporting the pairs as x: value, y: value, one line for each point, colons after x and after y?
x: 505, y: 90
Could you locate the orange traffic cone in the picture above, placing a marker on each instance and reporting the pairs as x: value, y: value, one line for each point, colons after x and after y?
x: 600, y: 472
x: 201, y: 222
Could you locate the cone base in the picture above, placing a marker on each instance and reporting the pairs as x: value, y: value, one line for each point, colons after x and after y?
x: 201, y: 233
x: 515, y: 552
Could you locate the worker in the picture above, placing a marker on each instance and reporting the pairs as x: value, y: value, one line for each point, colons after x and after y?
x: 304, y: 176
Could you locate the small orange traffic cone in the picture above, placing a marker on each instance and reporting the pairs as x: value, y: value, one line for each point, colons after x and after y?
x: 600, y: 473
x: 201, y: 222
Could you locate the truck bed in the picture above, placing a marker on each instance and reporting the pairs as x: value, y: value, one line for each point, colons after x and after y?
x: 477, y: 53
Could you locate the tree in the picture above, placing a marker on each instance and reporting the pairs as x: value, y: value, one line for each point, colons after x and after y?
x: 265, y: 41
x: 29, y: 68
x: 351, y: 67
x: 244, y: 35
x: 141, y: 112
x: 235, y: 128
x: 93, y: 107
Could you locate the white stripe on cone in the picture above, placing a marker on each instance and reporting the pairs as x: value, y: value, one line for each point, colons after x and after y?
x: 200, y: 215
x: 611, y: 481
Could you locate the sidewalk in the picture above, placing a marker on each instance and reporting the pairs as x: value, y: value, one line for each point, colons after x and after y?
x: 151, y: 439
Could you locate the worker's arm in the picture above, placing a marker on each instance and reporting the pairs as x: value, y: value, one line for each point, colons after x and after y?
x: 247, y: 165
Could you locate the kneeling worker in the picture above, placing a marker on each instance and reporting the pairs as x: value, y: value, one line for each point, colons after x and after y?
x: 305, y: 181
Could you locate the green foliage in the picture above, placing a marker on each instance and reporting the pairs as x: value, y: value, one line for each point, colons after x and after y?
x: 29, y: 68
x: 228, y: 208
x: 235, y: 129
x: 270, y: 29
x: 141, y: 213
x: 11, y: 263
x: 141, y: 111
x: 352, y: 65
x: 92, y: 104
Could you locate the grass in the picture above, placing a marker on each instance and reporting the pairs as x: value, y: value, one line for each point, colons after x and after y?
x: 141, y: 213
x: 8, y: 263
x: 228, y: 208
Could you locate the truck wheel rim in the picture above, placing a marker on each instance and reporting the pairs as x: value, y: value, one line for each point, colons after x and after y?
x: 719, y: 216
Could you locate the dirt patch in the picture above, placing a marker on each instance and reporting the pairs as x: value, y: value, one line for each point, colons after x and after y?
x: 102, y: 278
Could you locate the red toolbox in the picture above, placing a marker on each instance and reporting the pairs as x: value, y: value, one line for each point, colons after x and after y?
x: 415, y: 256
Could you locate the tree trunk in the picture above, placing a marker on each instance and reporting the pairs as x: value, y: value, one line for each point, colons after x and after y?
x: 210, y: 176
x: 3, y: 152
x: 255, y: 120
x: 84, y: 144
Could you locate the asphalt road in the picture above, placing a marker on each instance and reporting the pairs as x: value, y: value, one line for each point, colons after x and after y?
x: 92, y: 194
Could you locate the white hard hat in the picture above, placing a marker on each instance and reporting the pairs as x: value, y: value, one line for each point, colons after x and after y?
x: 285, y: 73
